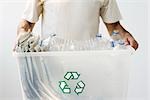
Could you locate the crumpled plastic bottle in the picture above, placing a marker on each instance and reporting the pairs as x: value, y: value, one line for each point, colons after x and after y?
x: 27, y: 42
x: 117, y: 41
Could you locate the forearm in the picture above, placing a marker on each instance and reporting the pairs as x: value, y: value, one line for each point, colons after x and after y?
x: 25, y: 26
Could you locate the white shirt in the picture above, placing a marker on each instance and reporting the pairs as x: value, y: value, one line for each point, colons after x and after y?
x: 72, y: 19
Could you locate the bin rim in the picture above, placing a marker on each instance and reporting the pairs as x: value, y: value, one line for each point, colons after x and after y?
x: 128, y: 51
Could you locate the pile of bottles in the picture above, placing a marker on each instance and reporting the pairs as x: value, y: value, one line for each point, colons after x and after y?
x: 53, y: 43
x: 97, y: 43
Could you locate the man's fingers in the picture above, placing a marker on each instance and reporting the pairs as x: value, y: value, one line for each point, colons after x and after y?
x: 133, y: 43
x: 126, y: 41
x: 129, y: 40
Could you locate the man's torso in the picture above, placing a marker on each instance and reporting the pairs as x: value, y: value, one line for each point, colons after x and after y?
x: 72, y: 19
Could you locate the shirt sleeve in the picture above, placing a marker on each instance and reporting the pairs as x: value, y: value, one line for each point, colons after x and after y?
x: 32, y: 11
x: 110, y: 12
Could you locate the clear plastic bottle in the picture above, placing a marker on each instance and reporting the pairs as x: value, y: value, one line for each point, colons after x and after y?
x: 71, y: 45
x: 102, y: 43
x: 51, y: 42
x: 99, y: 45
x: 115, y: 35
x: 117, y: 41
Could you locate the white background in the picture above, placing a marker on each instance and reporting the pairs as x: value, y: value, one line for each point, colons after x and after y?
x: 135, y: 14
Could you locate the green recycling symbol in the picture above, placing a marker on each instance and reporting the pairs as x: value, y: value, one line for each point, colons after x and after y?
x: 71, y: 76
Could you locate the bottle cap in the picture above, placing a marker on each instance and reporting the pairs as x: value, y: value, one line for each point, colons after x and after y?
x: 98, y: 35
x: 115, y: 32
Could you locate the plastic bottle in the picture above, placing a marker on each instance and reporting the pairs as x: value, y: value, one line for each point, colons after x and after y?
x: 99, y: 41
x: 51, y: 42
x: 117, y: 41
x: 102, y: 43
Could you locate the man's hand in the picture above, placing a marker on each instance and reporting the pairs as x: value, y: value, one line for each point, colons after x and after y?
x: 24, y: 27
x: 128, y: 38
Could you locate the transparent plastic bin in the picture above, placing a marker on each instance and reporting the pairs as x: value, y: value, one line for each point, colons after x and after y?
x: 104, y: 73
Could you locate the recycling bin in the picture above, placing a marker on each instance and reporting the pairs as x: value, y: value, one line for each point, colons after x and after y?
x: 75, y: 75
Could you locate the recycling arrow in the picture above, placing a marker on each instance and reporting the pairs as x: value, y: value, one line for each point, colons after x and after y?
x: 64, y: 87
x: 72, y: 75
x: 79, y: 88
